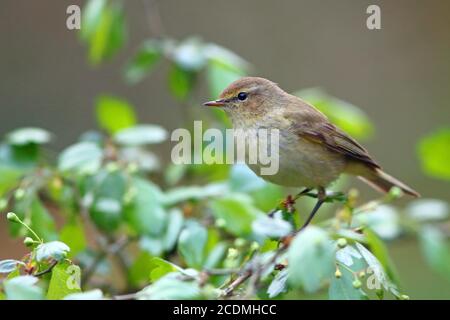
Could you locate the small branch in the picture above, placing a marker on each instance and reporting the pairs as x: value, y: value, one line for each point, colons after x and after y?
x: 228, y: 291
x: 220, y: 272
x: 112, y: 249
x: 153, y: 18
x: 48, y: 270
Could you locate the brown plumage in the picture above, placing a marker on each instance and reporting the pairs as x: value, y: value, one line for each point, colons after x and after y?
x: 313, y: 151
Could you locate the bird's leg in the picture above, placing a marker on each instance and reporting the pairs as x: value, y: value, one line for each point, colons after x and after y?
x: 289, y: 202
x: 321, y: 197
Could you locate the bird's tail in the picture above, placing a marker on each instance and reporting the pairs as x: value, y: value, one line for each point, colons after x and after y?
x: 381, y: 181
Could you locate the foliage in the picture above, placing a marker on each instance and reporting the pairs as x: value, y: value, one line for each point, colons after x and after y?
x: 192, y: 231
x: 434, y: 152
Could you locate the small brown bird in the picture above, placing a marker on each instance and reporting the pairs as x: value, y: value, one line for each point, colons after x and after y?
x: 312, y: 151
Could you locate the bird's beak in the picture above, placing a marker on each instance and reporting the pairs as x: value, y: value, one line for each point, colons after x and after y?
x: 216, y: 103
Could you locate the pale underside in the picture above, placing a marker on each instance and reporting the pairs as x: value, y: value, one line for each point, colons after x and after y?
x: 302, y: 163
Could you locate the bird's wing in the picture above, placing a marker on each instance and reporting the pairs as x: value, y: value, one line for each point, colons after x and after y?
x: 314, y: 126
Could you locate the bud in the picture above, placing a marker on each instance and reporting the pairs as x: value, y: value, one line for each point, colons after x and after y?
x: 395, y: 193
x: 404, y: 297
x: 232, y: 253
x: 19, y: 194
x: 362, y: 274
x: 132, y: 168
x: 3, y: 204
x: 338, y: 274
x: 112, y: 167
x: 220, y: 223
x: 356, y: 284
x: 380, y: 294
x: 28, y: 242
x: 342, y: 243
x: 11, y: 216
x: 254, y: 246
x: 239, y: 242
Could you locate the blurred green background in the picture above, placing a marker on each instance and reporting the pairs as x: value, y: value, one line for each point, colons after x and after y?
x: 399, y: 75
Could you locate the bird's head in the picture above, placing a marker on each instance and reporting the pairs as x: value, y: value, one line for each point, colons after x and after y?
x: 249, y: 97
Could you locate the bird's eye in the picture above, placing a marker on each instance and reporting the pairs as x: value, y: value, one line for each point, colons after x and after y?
x: 242, y: 96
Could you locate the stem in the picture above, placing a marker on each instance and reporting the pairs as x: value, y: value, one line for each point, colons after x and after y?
x: 32, y: 231
x: 48, y: 270
x: 153, y: 18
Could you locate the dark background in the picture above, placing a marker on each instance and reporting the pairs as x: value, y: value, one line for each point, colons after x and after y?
x: 399, y: 75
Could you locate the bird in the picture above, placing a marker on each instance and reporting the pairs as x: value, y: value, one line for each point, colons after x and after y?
x: 313, y: 152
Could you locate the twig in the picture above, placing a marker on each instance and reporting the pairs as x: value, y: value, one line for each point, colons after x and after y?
x: 153, y: 18
x: 48, y: 270
x: 236, y: 283
x: 220, y: 272
x: 112, y: 249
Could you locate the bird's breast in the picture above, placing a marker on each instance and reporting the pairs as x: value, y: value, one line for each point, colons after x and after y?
x: 301, y: 163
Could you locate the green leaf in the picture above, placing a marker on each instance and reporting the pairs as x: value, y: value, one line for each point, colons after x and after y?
x: 349, y: 256
x: 25, y: 136
x: 106, y: 213
x: 181, y: 82
x: 271, y: 227
x: 65, y: 280
x: 19, y: 157
x: 181, y: 194
x: 41, y: 221
x: 380, y: 251
x: 144, y: 61
x: 346, y: 116
x: 141, y: 135
x: 435, y: 250
x: 342, y: 288
x: 174, y: 173
x: 170, y: 287
x: 138, y: 273
x: 91, y: 17
x: 56, y: 250
x: 267, y: 197
x: 144, y: 160
x: 189, y: 55
x: 243, y: 179
x: 73, y: 234
x: 237, y: 212
x: 160, y: 267
x: 95, y: 294
x: 23, y: 288
x: 434, y: 153
x: 311, y: 259
x: 152, y: 245
x: 215, y: 256
x: 278, y: 284
x: 145, y: 214
x: 191, y: 244
x: 376, y: 269
x: 220, y: 75
x: 114, y: 114
x: 383, y: 220
x: 174, y: 226
x: 103, y: 29
x: 9, y: 265
x: 221, y: 55
x: 428, y: 210
x: 9, y: 177
x: 107, y: 208
x: 82, y: 157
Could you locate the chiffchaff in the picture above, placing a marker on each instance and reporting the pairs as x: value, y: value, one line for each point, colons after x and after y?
x: 312, y: 151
